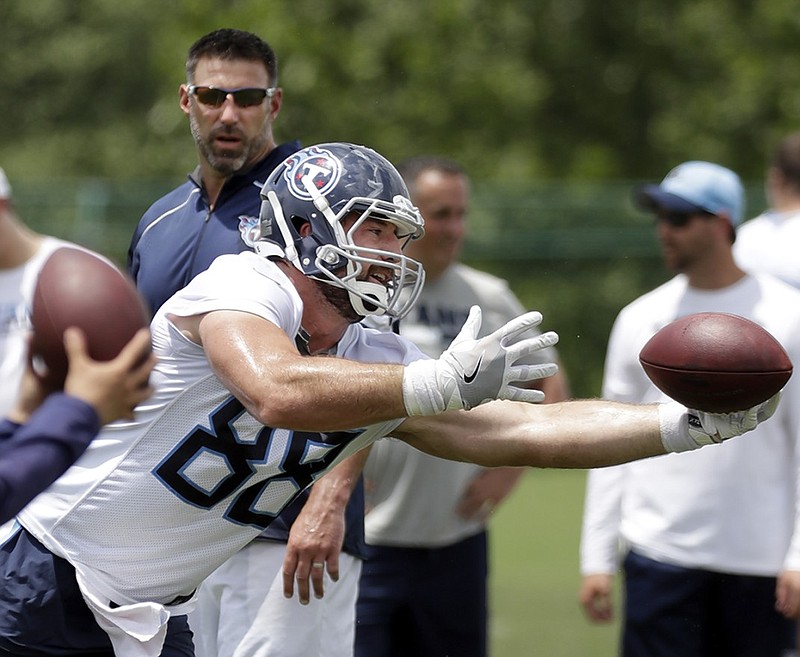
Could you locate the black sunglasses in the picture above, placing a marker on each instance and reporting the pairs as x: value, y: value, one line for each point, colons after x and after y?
x: 246, y: 97
x: 680, y: 219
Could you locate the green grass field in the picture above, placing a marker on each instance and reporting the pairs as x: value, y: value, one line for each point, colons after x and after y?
x: 534, y: 573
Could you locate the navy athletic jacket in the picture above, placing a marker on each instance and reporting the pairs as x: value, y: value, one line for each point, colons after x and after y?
x: 180, y: 236
x: 34, y: 455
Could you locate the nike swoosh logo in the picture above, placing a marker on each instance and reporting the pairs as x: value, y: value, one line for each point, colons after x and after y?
x: 469, y: 378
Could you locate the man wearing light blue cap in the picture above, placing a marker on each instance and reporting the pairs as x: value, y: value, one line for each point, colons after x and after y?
x: 711, y: 550
x: 696, y: 188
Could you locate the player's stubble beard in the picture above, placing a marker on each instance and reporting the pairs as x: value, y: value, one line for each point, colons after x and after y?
x: 339, y: 299
x: 227, y: 162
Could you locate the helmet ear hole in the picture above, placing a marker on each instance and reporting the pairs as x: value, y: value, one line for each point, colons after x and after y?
x: 302, y: 226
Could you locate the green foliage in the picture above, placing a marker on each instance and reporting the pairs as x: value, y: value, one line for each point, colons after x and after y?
x: 561, y: 89
x: 579, y: 300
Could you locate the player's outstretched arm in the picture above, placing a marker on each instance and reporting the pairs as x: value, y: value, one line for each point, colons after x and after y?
x: 282, y: 388
x: 259, y: 364
x: 574, y: 434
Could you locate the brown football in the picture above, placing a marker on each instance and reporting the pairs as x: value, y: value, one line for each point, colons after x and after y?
x: 77, y: 287
x: 716, y: 362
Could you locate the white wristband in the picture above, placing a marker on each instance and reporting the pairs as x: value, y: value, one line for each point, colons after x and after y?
x: 429, y: 388
x: 421, y: 394
x: 673, y: 421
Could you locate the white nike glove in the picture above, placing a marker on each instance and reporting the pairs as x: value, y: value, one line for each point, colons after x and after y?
x: 683, y: 429
x: 473, y: 371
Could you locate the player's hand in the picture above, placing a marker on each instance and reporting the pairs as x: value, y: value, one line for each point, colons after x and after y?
x: 706, y: 428
x: 683, y: 429
x: 595, y: 597
x: 787, y: 593
x: 114, y: 387
x: 483, y: 369
x: 315, y: 542
x: 476, y: 370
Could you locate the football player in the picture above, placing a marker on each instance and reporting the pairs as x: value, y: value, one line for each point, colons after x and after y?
x: 266, y: 380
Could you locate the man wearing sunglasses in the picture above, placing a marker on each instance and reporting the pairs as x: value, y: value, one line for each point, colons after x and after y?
x: 712, y: 559
x: 232, y: 98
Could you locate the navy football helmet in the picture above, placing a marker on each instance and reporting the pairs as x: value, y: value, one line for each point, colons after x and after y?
x: 322, y: 185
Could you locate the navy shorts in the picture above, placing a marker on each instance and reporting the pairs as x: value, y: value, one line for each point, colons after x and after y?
x: 671, y: 611
x: 42, y: 611
x: 423, y: 602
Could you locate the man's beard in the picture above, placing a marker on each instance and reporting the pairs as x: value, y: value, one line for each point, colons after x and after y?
x: 225, y: 162
x: 339, y: 298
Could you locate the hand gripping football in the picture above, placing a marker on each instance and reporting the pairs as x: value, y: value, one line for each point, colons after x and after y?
x: 80, y: 288
x: 716, y: 362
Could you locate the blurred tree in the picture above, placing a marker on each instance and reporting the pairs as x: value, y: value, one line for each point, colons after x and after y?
x: 516, y: 90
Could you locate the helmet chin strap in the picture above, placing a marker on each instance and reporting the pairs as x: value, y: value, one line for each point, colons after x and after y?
x: 320, y: 202
x: 369, y: 290
x: 289, y: 249
x: 362, y: 306
x: 301, y: 341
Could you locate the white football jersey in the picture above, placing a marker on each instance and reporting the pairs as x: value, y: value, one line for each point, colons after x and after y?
x: 156, y: 504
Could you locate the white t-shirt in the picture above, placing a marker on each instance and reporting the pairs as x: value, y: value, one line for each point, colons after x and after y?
x: 16, y: 298
x: 728, y: 508
x: 770, y: 243
x: 412, y: 496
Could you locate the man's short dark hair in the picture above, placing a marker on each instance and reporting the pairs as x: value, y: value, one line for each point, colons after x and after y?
x: 233, y: 44
x: 412, y: 168
x: 787, y: 159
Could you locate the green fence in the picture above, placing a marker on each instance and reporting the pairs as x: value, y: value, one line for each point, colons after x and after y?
x: 577, y: 252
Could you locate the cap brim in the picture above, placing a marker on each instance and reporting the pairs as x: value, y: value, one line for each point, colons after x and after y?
x: 653, y: 198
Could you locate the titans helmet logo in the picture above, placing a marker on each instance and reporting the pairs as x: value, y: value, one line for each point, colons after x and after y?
x: 314, y: 167
x: 249, y: 229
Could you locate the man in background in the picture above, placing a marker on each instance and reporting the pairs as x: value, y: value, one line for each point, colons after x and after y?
x: 232, y: 99
x: 423, y: 588
x: 769, y: 243
x: 711, y: 549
